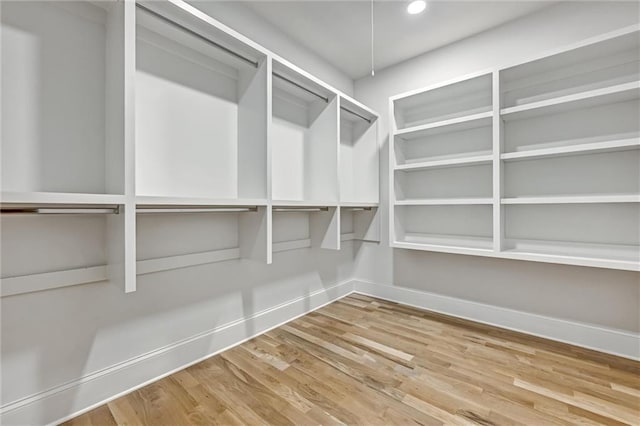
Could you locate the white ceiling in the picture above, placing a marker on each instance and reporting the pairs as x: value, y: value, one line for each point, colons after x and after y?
x: 339, y: 31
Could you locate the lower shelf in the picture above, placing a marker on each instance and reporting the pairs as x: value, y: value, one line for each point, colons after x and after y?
x: 604, y: 255
x: 459, y: 242
x: 611, y: 256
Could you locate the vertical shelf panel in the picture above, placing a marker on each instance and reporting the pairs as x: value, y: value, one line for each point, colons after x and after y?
x: 120, y: 152
x: 565, y: 158
x: 252, y: 131
x: 498, y: 175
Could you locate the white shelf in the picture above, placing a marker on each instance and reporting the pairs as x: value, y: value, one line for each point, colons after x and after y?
x: 595, y: 147
x: 304, y: 203
x: 61, y: 198
x: 147, y: 200
x: 574, y: 199
x: 618, y: 93
x: 446, y: 243
x: 472, y: 120
x: 356, y: 204
x: 597, y: 255
x: 445, y: 202
x: 453, y: 162
x: 465, y: 169
x: 229, y: 128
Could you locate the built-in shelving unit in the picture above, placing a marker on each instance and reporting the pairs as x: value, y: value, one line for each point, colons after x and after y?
x: 538, y: 160
x: 179, y: 143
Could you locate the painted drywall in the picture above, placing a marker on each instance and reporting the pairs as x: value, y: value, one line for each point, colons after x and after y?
x: 600, y: 297
x: 244, y: 20
x: 54, y: 337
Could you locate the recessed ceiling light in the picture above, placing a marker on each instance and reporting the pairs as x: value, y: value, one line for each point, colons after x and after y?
x: 416, y: 7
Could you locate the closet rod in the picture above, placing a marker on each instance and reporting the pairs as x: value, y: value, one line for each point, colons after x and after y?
x: 61, y: 210
x: 200, y: 36
x: 357, y: 209
x: 317, y: 95
x: 368, y: 120
x: 300, y: 209
x: 255, y: 64
x: 199, y: 210
x: 300, y: 86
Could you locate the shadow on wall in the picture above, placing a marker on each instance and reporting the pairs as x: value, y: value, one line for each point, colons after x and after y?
x: 533, y: 287
x: 53, y: 337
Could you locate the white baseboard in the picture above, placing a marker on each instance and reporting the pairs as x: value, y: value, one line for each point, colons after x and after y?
x: 78, y: 396
x: 616, y: 342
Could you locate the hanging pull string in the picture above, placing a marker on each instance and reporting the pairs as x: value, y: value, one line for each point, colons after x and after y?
x: 373, y: 71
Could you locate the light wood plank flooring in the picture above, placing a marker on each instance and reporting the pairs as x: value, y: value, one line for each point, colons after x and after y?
x: 370, y: 362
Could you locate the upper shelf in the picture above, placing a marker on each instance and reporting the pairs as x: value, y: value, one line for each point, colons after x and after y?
x: 59, y: 198
x: 607, y: 95
x: 586, y: 148
x: 449, y: 125
x: 444, y: 105
x: 153, y: 201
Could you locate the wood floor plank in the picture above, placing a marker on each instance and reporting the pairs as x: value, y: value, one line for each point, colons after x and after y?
x: 364, y: 361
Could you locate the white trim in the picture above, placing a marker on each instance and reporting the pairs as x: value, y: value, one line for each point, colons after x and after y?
x: 95, y: 389
x: 12, y: 286
x: 291, y: 245
x: 608, y: 340
x: 76, y: 397
x: 186, y: 260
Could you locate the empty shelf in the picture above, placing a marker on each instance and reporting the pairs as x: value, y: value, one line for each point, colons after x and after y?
x: 587, y: 148
x: 445, y: 202
x: 452, y: 162
x: 473, y: 120
x: 606, y: 95
x: 574, y: 199
x: 59, y: 198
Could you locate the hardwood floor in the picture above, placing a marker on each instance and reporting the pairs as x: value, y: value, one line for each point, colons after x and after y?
x: 370, y: 362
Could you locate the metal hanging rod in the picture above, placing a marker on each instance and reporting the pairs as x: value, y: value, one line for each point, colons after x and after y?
x: 368, y: 120
x: 300, y: 209
x: 61, y: 210
x: 300, y: 86
x: 317, y: 95
x: 237, y: 55
x: 358, y: 209
x: 198, y: 210
x: 200, y: 36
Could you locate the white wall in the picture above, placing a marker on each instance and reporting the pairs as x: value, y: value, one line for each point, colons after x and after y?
x: 601, y: 297
x: 244, y: 20
x: 62, y: 337
x: 59, y: 336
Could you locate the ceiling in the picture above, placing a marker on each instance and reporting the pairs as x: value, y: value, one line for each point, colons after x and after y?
x: 340, y: 31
